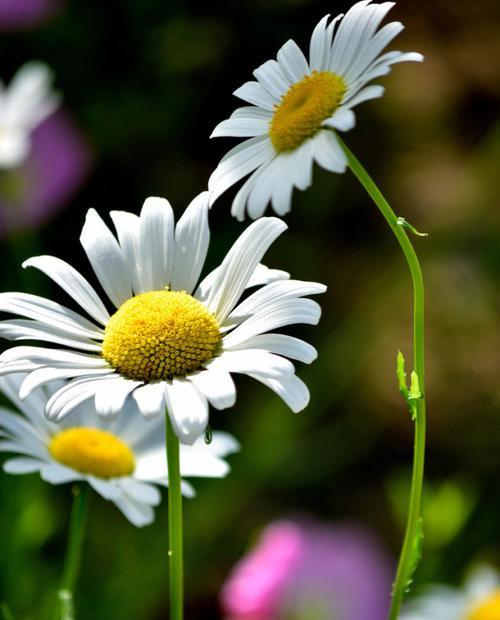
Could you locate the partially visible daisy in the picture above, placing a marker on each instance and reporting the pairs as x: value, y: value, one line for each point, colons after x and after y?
x: 298, y: 104
x: 479, y: 599
x: 122, y: 460
x: 24, y: 104
x: 168, y: 342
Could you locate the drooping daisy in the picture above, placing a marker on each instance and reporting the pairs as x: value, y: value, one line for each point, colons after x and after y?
x: 297, y: 105
x: 168, y: 342
x: 24, y: 104
x: 479, y: 599
x: 123, y: 460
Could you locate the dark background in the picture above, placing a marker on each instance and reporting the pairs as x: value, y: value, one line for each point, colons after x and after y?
x: 146, y: 82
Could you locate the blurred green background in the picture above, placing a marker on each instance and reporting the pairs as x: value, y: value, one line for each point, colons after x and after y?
x: 146, y: 82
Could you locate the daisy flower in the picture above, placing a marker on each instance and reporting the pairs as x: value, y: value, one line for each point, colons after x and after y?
x: 24, y: 104
x: 479, y: 599
x: 123, y: 460
x: 298, y: 104
x: 168, y: 342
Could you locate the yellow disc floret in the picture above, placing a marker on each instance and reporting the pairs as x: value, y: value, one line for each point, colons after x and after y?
x: 93, y: 451
x: 488, y: 609
x: 160, y: 334
x: 303, y: 109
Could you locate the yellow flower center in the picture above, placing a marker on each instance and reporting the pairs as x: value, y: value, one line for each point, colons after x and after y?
x: 160, y: 334
x: 488, y: 609
x: 303, y: 109
x: 93, y: 451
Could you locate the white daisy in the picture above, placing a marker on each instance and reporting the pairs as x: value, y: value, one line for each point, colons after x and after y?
x: 479, y: 599
x: 169, y: 343
x: 297, y: 105
x: 123, y: 460
x: 24, y: 104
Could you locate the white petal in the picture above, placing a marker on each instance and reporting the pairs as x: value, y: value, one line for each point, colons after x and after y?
x: 110, y: 395
x: 21, y: 465
x: 261, y: 275
x: 197, y: 461
x: 49, y: 313
x: 370, y: 92
x: 292, y: 61
x: 240, y: 263
x: 272, y: 293
x: 42, y: 376
x: 106, y: 258
x: 241, y: 127
x: 188, y: 410
x: 262, y: 189
x: 157, y: 244
x: 106, y: 488
x: 128, y: 230
x: 192, y: 237
x: 270, y: 75
x: 32, y: 407
x: 321, y: 43
x: 150, y: 399
x: 217, y: 386
x: 47, y: 356
x: 252, y: 112
x: 238, y: 162
x: 281, y: 344
x: 222, y: 444
x: 137, y: 513
x: 255, y: 93
x: 141, y: 491
x: 343, y: 119
x: 69, y: 397
x: 341, y: 50
x: 291, y: 389
x: 328, y: 152
x: 273, y: 316
x: 27, y: 329
x: 253, y: 361
x: 59, y: 474
x: 73, y: 283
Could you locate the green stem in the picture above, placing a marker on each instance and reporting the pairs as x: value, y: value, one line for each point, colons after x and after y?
x: 64, y: 607
x: 174, y: 524
x: 406, y: 563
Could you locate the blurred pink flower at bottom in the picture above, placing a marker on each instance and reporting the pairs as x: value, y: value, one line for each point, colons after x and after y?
x: 304, y: 570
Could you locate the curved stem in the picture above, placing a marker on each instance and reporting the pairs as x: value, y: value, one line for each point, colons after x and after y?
x: 64, y: 607
x: 174, y: 523
x: 406, y: 563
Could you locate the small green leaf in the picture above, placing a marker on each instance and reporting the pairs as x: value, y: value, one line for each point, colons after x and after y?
x: 416, y: 554
x: 400, y: 371
x: 6, y: 612
x: 415, y: 392
x: 402, y: 222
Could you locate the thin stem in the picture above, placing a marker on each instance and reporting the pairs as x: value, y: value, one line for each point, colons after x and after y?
x: 175, y: 524
x: 78, y: 520
x: 407, y: 556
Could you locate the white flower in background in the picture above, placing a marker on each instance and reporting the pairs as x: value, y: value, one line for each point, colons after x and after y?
x: 24, y: 104
x: 123, y: 460
x: 169, y: 343
x: 297, y: 105
x: 479, y: 599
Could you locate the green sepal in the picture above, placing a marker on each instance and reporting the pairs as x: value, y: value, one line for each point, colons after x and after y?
x: 415, y: 392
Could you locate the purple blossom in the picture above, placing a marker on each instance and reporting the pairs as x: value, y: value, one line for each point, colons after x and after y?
x: 18, y: 14
x: 58, y: 163
x: 304, y: 570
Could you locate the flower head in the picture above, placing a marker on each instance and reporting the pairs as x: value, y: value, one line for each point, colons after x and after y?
x: 123, y: 460
x: 168, y: 342
x: 24, y: 104
x: 479, y: 599
x: 298, y: 104
x: 300, y: 570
